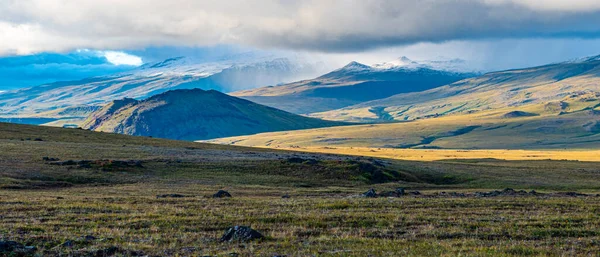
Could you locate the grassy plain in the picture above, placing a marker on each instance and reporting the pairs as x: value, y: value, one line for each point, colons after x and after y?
x: 449, y: 154
x: 53, y: 207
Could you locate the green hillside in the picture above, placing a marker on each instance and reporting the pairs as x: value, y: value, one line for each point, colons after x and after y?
x: 195, y: 114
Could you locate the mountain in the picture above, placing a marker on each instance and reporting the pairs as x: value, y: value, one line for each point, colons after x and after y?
x: 569, y: 85
x: 352, y: 84
x: 229, y: 74
x: 554, y: 106
x: 195, y: 114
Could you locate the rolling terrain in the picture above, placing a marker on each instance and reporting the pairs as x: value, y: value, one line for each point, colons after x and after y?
x: 352, y: 84
x: 549, y: 107
x: 562, y: 87
x: 84, y: 193
x: 74, y: 100
x: 484, y: 130
x: 195, y: 114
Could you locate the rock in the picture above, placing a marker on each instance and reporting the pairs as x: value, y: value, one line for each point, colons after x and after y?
x: 9, y: 246
x: 370, y: 194
x: 12, y: 248
x: 572, y: 194
x: 110, y: 251
x: 415, y: 193
x: 507, y: 192
x: 63, y: 163
x: 49, y: 159
x: 170, y: 196
x: 240, y: 233
x: 84, y: 164
x: 68, y: 243
x: 221, y: 194
x: 89, y: 238
x: 400, y: 191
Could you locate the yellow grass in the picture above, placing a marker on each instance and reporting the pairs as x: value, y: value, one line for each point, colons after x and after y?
x: 443, y: 154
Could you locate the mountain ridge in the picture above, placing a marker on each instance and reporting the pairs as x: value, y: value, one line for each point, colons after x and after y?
x: 349, y: 85
x: 195, y: 114
x: 494, y: 90
x: 154, y: 78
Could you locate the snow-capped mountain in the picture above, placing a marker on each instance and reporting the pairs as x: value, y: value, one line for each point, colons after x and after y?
x: 227, y: 74
x: 583, y: 59
x: 351, y: 84
x: 553, y: 89
x: 442, y: 64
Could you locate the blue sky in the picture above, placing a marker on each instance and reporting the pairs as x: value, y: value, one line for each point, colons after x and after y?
x: 31, y: 70
x: 42, y: 40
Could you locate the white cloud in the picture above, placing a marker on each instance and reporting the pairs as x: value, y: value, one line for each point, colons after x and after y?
x: 553, y: 5
x: 29, y: 26
x: 121, y: 58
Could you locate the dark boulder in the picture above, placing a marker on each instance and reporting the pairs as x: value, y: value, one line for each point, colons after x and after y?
x: 111, y: 251
x: 240, y: 233
x: 571, y: 194
x: 50, y: 159
x: 68, y: 243
x: 221, y: 194
x: 89, y: 238
x: 370, y: 194
x: 415, y: 193
x: 400, y: 191
x: 170, y: 196
x: 12, y: 248
x: 506, y: 192
x: 63, y: 163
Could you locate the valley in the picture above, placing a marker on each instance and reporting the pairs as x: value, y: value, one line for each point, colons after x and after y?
x: 552, y: 107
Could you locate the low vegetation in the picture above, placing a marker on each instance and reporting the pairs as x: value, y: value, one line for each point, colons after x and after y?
x: 82, y: 193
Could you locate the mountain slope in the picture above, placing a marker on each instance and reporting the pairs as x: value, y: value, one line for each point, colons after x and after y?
x: 486, y: 130
x: 195, y: 114
x: 51, y: 100
x: 547, y: 107
x: 572, y: 83
x: 352, y: 84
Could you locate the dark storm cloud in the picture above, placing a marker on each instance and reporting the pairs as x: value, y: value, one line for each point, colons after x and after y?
x: 328, y: 26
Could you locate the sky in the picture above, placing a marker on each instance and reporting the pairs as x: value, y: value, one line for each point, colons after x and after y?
x: 45, y: 40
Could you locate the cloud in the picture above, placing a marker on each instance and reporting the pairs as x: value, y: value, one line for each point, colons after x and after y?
x: 30, y: 26
x: 33, y: 70
x: 121, y: 58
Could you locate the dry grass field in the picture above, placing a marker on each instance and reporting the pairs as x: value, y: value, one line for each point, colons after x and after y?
x: 104, y: 202
x: 449, y: 154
